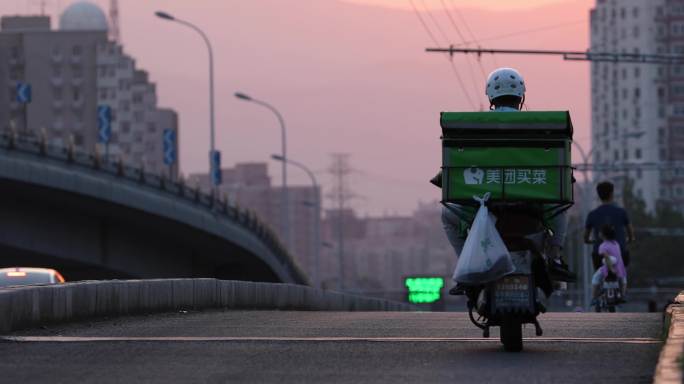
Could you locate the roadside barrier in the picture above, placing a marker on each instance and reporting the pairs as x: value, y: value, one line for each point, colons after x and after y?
x: 671, y: 360
x: 31, y: 306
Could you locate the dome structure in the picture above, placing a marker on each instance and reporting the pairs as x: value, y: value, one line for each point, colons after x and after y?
x: 83, y: 16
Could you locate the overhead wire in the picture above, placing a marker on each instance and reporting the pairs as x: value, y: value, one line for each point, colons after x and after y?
x: 526, y: 31
x: 463, y: 40
x: 470, y: 32
x: 451, y: 63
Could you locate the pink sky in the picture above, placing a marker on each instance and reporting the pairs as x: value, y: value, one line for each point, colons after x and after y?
x: 348, y: 77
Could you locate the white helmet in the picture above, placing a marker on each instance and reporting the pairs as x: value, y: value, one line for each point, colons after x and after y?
x: 505, y: 82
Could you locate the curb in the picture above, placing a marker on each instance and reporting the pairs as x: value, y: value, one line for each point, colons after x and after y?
x: 670, y: 363
x: 26, y: 307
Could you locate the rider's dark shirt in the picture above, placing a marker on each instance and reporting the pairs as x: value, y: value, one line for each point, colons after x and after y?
x: 608, y: 214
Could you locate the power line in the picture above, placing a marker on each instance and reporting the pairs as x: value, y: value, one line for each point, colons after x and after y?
x: 434, y: 21
x: 470, y: 31
x: 451, y: 63
x: 472, y: 35
x: 470, y: 64
x: 525, y: 31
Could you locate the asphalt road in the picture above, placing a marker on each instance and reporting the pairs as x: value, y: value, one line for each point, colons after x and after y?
x: 301, y: 347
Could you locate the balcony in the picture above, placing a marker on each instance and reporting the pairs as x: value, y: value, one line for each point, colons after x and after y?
x: 57, y: 58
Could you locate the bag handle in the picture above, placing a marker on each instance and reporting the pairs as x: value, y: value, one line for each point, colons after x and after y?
x: 482, y: 200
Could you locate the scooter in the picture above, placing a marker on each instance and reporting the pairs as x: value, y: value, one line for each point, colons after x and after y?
x: 515, y: 299
x: 610, y: 295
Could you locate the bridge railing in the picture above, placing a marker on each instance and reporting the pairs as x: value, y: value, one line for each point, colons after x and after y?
x: 114, y: 166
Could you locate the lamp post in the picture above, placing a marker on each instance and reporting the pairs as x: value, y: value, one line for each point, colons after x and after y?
x: 212, y: 143
x: 317, y: 218
x: 284, y: 220
x: 586, y: 255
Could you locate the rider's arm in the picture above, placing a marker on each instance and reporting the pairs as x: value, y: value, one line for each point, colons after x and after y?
x: 587, y: 235
x: 630, y: 233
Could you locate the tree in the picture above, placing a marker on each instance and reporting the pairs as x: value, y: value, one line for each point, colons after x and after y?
x: 653, y: 257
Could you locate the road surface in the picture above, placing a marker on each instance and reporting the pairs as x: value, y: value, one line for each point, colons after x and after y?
x: 331, y: 347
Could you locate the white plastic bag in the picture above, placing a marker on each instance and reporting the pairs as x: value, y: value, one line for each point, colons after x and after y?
x: 485, y: 257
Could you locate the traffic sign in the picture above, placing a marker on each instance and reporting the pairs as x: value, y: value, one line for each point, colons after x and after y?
x: 169, y: 146
x: 104, y: 122
x: 23, y: 93
x: 215, y: 160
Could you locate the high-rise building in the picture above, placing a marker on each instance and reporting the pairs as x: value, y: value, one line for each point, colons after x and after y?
x: 638, y: 109
x: 72, y: 71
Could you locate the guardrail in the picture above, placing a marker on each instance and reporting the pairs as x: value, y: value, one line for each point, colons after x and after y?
x: 117, y: 168
x: 31, y: 306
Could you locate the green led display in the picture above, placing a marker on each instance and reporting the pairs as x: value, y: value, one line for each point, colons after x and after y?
x: 424, y: 290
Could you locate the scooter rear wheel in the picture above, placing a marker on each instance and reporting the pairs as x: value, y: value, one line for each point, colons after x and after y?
x: 511, y: 335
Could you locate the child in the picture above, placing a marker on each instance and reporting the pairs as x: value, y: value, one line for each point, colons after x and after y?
x: 609, y: 251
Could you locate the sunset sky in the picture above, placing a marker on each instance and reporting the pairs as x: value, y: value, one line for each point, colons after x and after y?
x: 349, y: 76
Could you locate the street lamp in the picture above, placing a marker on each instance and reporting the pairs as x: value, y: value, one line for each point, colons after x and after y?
x: 317, y: 218
x: 214, y: 159
x: 586, y: 255
x: 284, y: 221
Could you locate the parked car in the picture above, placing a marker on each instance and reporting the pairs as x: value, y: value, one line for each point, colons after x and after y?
x: 28, y: 276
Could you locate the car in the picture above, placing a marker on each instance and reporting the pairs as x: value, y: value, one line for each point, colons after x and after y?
x: 27, y: 276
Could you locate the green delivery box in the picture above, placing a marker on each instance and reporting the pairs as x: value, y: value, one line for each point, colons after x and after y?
x: 515, y: 156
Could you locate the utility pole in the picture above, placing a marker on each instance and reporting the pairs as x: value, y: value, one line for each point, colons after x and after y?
x: 612, y: 57
x: 340, y: 195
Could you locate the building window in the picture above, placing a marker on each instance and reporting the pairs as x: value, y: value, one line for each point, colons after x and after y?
x: 57, y: 93
x: 625, y: 154
x: 637, y: 153
x: 138, y: 116
x: 635, y: 12
x: 637, y: 72
x: 616, y: 155
x: 151, y: 127
x: 77, y: 50
x: 78, y: 139
x: 125, y: 127
x: 138, y: 98
x: 76, y: 92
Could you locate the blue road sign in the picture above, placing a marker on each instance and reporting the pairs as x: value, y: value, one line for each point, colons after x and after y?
x: 104, y: 123
x: 215, y: 159
x: 169, y: 146
x: 23, y: 93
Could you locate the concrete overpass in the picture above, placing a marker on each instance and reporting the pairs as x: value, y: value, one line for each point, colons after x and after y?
x: 95, y: 219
